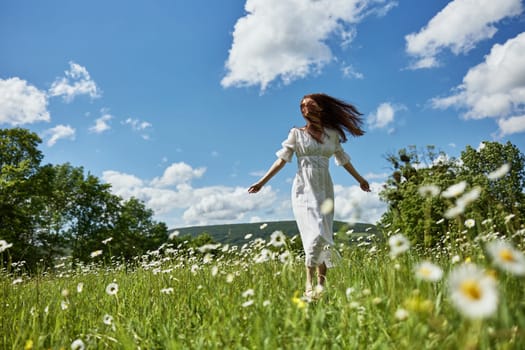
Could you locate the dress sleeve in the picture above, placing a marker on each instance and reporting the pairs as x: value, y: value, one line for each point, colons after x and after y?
x: 340, y: 156
x: 288, y: 149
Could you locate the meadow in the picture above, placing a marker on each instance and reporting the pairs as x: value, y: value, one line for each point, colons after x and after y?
x: 383, y: 294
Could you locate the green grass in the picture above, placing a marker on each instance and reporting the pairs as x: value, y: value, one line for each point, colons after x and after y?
x: 207, y: 308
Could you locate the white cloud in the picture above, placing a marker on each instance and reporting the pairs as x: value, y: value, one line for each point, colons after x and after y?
x: 59, y: 132
x: 184, y: 205
x: 21, y: 103
x: 512, y: 125
x: 176, y: 174
x: 350, y: 72
x: 276, y: 39
x: 137, y: 125
x: 458, y: 27
x: 384, y: 115
x: 354, y: 205
x: 494, y: 88
x: 122, y: 182
x: 101, y: 124
x: 76, y: 82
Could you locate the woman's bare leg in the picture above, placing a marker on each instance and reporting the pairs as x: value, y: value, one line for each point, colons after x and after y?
x: 310, y: 271
x: 321, y: 274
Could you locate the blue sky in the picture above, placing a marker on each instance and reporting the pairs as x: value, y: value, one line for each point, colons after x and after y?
x: 183, y: 104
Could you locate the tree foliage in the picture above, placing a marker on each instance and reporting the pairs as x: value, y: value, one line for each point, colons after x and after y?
x: 416, y: 191
x: 47, y: 211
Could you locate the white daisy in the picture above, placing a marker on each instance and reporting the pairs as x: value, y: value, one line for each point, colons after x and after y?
x: 455, y: 190
x: 470, y: 223
x: 506, y: 257
x: 472, y: 291
x: 96, y: 253
x: 4, y: 245
x: 263, y: 226
x: 277, y: 239
x: 401, y: 314
x: 429, y: 190
x: 112, y: 288
x: 398, y: 244
x: 428, y: 271
x: 500, y: 172
x: 168, y: 290
x: 247, y: 303
x: 469, y: 197
x: 78, y: 344
x: 248, y: 293
x: 108, y: 319
x: 327, y: 206
x: 173, y: 235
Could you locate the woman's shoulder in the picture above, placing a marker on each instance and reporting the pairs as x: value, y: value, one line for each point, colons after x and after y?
x: 296, y: 129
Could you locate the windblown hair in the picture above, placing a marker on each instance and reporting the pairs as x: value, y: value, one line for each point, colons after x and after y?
x: 335, y: 114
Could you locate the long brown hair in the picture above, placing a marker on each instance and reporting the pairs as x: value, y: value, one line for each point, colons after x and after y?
x: 335, y: 114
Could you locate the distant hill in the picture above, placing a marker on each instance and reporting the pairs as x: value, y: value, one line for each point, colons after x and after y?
x: 235, y: 233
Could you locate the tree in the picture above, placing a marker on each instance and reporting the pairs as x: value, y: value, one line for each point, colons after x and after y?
x: 52, y: 210
x: 504, y: 194
x: 19, y: 164
x: 135, y: 232
x: 414, y: 191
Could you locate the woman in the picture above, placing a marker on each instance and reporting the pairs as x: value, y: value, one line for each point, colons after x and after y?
x: 327, y: 121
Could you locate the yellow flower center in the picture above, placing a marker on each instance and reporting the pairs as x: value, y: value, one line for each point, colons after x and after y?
x: 471, y: 289
x: 425, y: 271
x: 506, y: 255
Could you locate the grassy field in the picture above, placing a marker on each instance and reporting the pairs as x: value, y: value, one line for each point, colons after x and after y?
x: 379, y: 296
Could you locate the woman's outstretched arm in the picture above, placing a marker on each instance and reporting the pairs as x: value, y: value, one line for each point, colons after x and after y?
x: 362, y: 182
x: 274, y: 169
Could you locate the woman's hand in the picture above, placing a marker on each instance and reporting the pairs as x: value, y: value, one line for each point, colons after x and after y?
x: 364, y: 185
x: 255, y: 188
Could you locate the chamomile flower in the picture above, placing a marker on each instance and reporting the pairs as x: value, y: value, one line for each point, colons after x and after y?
x: 107, y: 319
x: 506, y: 257
x: 428, y: 271
x: 96, y: 253
x: 429, y: 191
x: 327, y: 206
x: 472, y: 291
x: 454, y: 211
x: 455, y: 190
x: 248, y: 293
x: 247, y: 303
x: 112, y: 288
x: 469, y: 197
x: 80, y: 287
x: 500, y: 172
x: 470, y: 223
x: 173, y: 235
x: 248, y: 236
x: 263, y: 226
x: 401, y: 314
x: 4, y: 245
x: 277, y: 239
x: 398, y: 245
x: 78, y: 344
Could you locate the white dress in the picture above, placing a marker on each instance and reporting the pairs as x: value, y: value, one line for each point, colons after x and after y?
x: 312, y: 186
